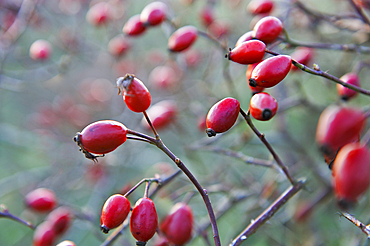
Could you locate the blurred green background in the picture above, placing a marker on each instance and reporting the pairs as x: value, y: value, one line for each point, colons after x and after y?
x: 44, y: 103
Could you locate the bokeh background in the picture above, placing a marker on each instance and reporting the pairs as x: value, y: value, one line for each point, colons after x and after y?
x: 44, y: 103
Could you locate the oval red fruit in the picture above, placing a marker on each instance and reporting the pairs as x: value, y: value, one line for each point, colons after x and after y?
x: 41, y: 200
x: 134, y: 26
x: 114, y: 212
x: 256, y: 7
x: 182, y: 38
x: 271, y: 71
x: 248, y: 52
x: 263, y: 106
x: 44, y: 235
x: 161, y: 114
x: 153, y: 14
x: 66, y: 243
x: 118, y: 46
x: 248, y: 75
x: 207, y: 15
x: 222, y: 116
x: 102, y: 137
x: 268, y: 29
x: 136, y: 95
x: 163, y: 77
x: 245, y: 37
x: 144, y: 220
x: 178, y: 225
x: 99, y: 14
x: 351, y: 172
x: 60, y: 219
x: 338, y: 126
x: 344, y: 92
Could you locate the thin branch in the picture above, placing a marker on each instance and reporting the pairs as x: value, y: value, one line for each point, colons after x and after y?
x: 364, y: 228
x: 360, y: 12
x: 268, y: 213
x: 262, y: 137
x: 4, y: 213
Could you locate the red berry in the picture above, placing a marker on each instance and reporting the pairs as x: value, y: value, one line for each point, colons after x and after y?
x: 182, y: 38
x: 102, y: 137
x: 256, y: 7
x: 136, y: 95
x: 338, y: 126
x: 44, y: 235
x: 60, y: 219
x: 163, y: 77
x: 248, y: 75
x: 153, y: 14
x: 161, y: 241
x: 161, y: 114
x: 262, y: 106
x: 218, y: 29
x: 248, y: 52
x: 134, y: 26
x: 245, y: 37
x: 178, y: 225
x: 271, y: 71
x: 114, y: 212
x: 99, y: 14
x: 351, y: 172
x: 222, y: 116
x: 118, y: 46
x: 344, y: 92
x: 66, y: 243
x: 40, y: 50
x: 41, y: 200
x: 144, y: 220
x: 268, y: 29
x: 302, y: 55
x: 207, y: 15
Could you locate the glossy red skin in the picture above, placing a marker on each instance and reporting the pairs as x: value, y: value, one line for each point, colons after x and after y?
x: 222, y: 116
x: 161, y: 114
x: 178, y: 225
x: 144, y: 220
x: 40, y: 50
x: 344, y: 92
x: 134, y: 26
x: 44, y: 235
x: 271, y: 71
x: 302, y: 55
x: 66, y: 243
x: 137, y: 96
x: 261, y: 102
x: 118, y: 46
x: 99, y: 14
x: 351, y: 172
x: 268, y: 29
x: 103, y: 136
x: 60, y: 219
x: 154, y: 13
x: 207, y: 16
x: 256, y: 7
x: 338, y: 126
x: 248, y: 52
x: 115, y: 211
x: 245, y: 37
x: 41, y: 200
x: 163, y: 77
x: 248, y: 75
x: 182, y: 38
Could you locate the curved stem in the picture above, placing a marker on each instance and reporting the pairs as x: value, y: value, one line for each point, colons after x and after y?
x: 203, y: 192
x: 317, y: 71
x: 4, y: 213
x: 151, y: 125
x: 261, y: 136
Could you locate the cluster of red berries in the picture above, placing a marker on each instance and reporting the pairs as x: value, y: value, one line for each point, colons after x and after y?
x: 56, y: 223
x: 337, y: 134
x: 176, y: 227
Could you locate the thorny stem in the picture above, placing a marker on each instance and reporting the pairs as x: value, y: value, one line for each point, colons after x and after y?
x: 364, y: 228
x: 4, y: 213
x: 262, y: 137
x: 317, y: 71
x: 158, y: 142
x: 268, y: 213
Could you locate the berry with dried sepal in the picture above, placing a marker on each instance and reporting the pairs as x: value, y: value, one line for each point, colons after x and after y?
x: 114, y: 212
x: 263, y: 106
